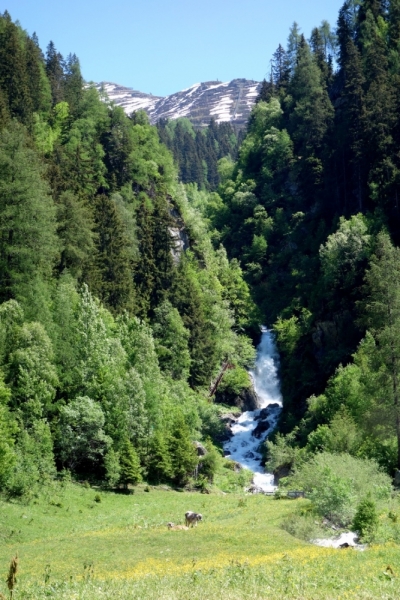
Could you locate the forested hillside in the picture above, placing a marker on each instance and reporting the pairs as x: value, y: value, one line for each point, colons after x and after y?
x: 119, y: 302
x: 110, y: 333
x: 196, y: 152
x: 311, y: 209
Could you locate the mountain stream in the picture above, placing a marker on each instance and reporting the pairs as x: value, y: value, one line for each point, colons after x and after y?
x: 253, y: 427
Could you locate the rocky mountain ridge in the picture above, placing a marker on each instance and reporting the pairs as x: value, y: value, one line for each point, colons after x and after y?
x: 230, y: 101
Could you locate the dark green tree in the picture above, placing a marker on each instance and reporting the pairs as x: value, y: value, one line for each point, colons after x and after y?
x: 183, y: 453
x: 383, y: 317
x: 73, y: 84
x: 55, y: 73
x: 112, y: 273
x: 131, y: 472
x: 14, y: 79
x: 159, y: 466
x: 28, y: 243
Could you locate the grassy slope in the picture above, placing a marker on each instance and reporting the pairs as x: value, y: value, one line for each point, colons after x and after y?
x: 239, y: 548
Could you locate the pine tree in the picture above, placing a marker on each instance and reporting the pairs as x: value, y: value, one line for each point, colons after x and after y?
x: 183, y: 453
x: 280, y: 68
x: 13, y: 71
x: 354, y: 123
x: 55, y: 73
x: 4, y: 111
x: 383, y: 314
x: 28, y: 243
x: 293, y: 45
x: 39, y: 89
x: 131, y: 471
x: 115, y: 288
x: 317, y: 45
x: 346, y: 29
x: 73, y: 84
x: 380, y: 116
x: 159, y: 467
x: 186, y: 297
x: 75, y: 229
x: 310, y: 119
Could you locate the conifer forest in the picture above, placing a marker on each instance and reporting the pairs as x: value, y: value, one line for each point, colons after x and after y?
x: 137, y: 260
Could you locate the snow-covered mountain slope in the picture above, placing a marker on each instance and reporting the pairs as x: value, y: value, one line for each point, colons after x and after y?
x: 231, y: 101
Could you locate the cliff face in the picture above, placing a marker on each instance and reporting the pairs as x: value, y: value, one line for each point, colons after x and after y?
x: 225, y: 102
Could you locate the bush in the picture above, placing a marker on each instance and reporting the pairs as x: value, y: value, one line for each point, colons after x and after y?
x: 283, y: 452
x: 336, y: 483
x: 365, y: 521
x: 209, y: 463
x: 304, y: 526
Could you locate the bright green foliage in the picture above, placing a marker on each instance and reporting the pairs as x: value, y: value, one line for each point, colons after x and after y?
x: 45, y: 134
x: 31, y: 374
x: 234, y: 381
x: 209, y: 463
x: 34, y: 465
x: 131, y: 472
x: 8, y: 428
x: 81, y: 437
x: 345, y: 251
x: 283, y: 452
x: 113, y: 467
x: 365, y: 520
x: 383, y: 311
x: 337, y: 482
x: 171, y: 338
x: 341, y: 435
x: 159, y: 466
x: 183, y: 454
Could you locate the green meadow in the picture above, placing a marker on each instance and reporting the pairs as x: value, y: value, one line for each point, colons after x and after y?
x: 75, y: 542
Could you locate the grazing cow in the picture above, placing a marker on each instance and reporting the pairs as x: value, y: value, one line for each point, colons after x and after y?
x: 177, y: 527
x: 192, y: 518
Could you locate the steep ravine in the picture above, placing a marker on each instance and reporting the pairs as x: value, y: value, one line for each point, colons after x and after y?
x: 253, y: 427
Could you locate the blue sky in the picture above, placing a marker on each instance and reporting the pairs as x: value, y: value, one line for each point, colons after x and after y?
x: 163, y: 46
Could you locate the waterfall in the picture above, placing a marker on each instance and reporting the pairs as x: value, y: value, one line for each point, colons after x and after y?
x: 253, y: 427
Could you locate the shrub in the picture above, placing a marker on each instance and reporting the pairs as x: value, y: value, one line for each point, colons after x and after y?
x: 209, y: 463
x: 366, y: 519
x: 336, y: 483
x: 283, y: 452
x: 113, y: 467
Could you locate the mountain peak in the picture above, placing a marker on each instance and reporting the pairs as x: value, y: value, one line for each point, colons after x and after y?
x: 229, y: 101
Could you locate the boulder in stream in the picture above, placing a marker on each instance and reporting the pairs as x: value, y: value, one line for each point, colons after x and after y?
x: 262, y: 427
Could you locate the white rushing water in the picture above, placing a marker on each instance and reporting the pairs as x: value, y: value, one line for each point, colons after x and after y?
x: 252, y: 427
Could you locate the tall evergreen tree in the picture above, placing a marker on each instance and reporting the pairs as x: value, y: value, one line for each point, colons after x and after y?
x: 113, y: 263
x: 383, y: 311
x: 55, y: 73
x: 73, y: 83
x: 280, y: 68
x: 14, y: 79
x: 28, y: 243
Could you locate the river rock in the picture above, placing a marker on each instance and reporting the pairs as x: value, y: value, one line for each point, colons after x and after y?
x: 200, y: 449
x: 261, y: 428
x: 254, y: 489
x: 229, y: 418
x: 271, y: 409
x: 245, y: 400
